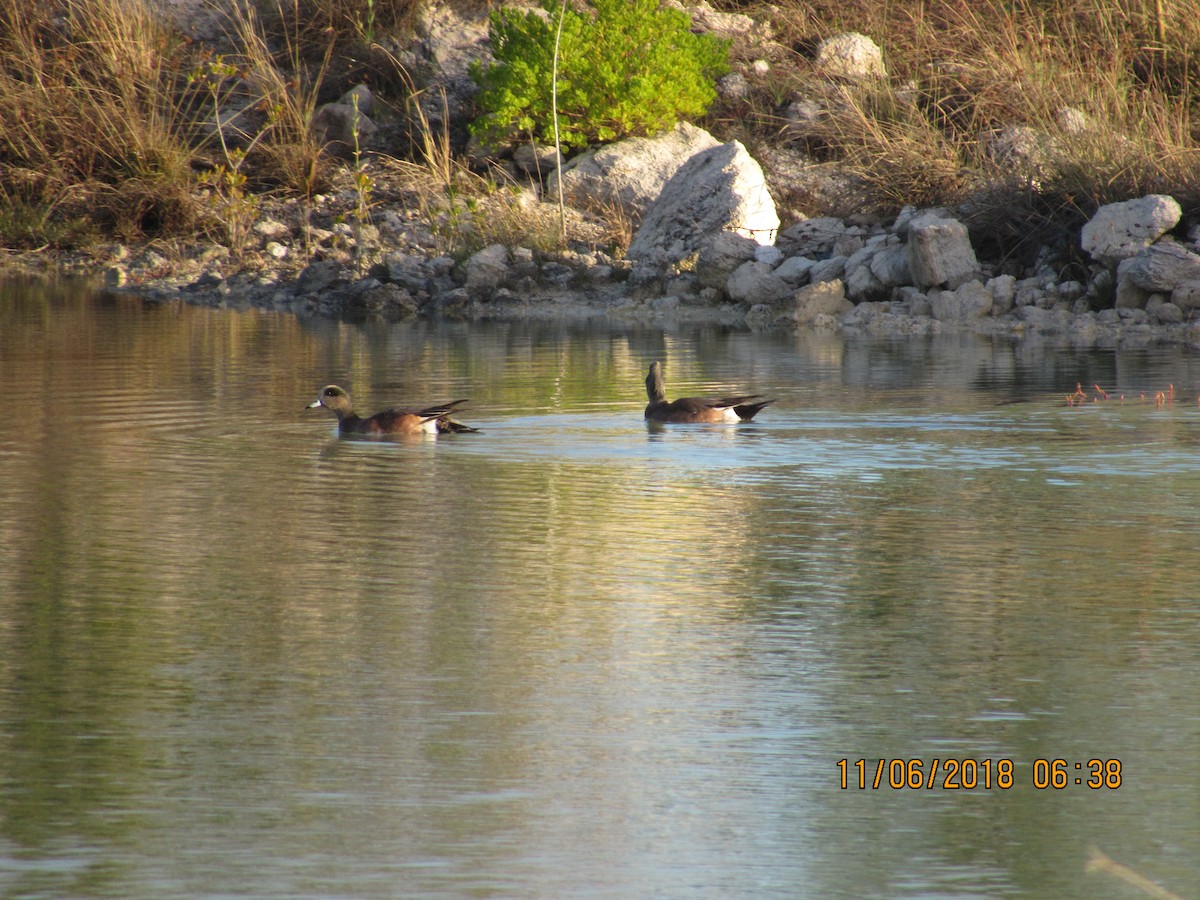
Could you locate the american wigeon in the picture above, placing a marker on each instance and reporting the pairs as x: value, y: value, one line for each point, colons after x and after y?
x: 431, y: 420
x: 696, y: 409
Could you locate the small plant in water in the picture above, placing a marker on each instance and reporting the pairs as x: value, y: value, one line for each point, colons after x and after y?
x: 1081, y: 397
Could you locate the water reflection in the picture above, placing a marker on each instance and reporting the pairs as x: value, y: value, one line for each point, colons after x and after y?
x: 575, y: 654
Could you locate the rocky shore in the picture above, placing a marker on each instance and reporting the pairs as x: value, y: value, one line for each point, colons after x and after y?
x: 706, y: 242
x: 916, y: 275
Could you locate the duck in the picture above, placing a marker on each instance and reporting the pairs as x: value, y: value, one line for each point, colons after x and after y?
x: 430, y: 420
x: 696, y: 409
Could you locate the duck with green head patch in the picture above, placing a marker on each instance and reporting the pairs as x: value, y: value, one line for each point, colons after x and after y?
x: 428, y: 420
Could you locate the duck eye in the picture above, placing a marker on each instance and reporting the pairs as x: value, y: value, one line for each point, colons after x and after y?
x: 330, y: 392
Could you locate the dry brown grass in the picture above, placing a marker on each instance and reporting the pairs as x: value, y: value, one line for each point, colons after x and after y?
x: 88, y: 134
x: 101, y: 129
x: 965, y: 69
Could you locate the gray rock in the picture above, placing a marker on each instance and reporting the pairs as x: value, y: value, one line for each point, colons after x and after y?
x: 847, y: 245
x: 1035, y: 316
x: 1163, y: 311
x: 1004, y: 291
x: 1071, y: 290
x: 795, y: 269
x: 1073, y: 121
x: 1161, y: 266
x: 755, y: 282
x: 1019, y: 151
x: 940, y: 252
x: 375, y: 300
x: 733, y: 86
x: 271, y: 230
x: 448, y: 38
x: 827, y: 269
x: 768, y: 254
x: 827, y: 298
x: 1129, y: 295
x: 408, y: 271
x: 1121, y: 230
x: 359, y: 97
x: 720, y: 256
x: 890, y: 265
x: 487, y: 268
x: 915, y: 299
x: 557, y: 273
x: 321, y: 276
x: 1187, y: 295
x: 1030, y: 292
x: 968, y: 302
x: 724, y: 24
x: 536, y: 160
x: 813, y: 238
x: 342, y: 126
x: 861, y: 284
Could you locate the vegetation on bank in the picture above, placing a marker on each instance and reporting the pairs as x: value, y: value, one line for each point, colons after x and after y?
x: 667, y: 73
x: 112, y: 125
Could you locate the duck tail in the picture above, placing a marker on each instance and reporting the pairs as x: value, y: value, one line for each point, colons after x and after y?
x: 446, y: 425
x: 747, y: 411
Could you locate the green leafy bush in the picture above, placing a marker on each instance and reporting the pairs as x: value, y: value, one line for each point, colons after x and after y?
x: 625, y: 67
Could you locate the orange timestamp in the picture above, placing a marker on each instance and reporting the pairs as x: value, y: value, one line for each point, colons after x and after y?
x: 976, y: 774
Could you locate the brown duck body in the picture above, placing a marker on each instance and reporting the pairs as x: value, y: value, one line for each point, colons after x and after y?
x: 429, y: 420
x: 696, y: 409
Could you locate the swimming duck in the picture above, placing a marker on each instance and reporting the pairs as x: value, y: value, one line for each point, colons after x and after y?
x: 696, y: 409
x: 431, y: 420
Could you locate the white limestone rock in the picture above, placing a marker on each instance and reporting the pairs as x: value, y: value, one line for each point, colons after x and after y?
x: 1120, y: 230
x: 631, y: 173
x: 719, y: 189
x: 851, y: 55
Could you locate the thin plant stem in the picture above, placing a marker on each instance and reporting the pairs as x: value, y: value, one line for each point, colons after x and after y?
x: 562, y: 211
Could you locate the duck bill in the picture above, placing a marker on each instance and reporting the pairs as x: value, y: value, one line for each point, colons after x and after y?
x: 314, y: 404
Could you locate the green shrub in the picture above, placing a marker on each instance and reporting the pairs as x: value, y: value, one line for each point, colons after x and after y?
x: 630, y: 67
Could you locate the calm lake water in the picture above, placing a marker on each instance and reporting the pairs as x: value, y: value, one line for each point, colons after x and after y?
x: 573, y: 656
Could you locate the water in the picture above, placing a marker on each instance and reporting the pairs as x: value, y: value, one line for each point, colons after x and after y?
x: 574, y: 656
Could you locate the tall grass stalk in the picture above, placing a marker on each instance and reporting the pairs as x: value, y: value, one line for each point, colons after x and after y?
x: 562, y: 207
x: 287, y: 91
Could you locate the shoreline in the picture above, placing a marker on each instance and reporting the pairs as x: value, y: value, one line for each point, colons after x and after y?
x: 886, y: 320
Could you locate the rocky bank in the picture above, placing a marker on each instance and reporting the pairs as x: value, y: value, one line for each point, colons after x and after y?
x: 706, y: 242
